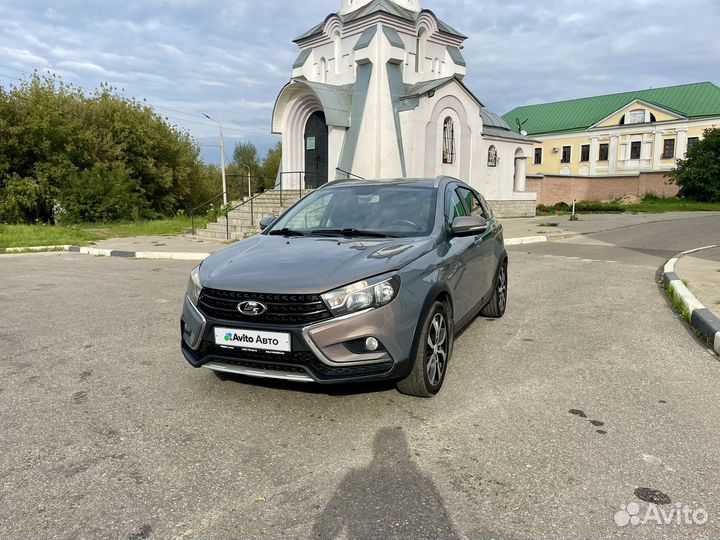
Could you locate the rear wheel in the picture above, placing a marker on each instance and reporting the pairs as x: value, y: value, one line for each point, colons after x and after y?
x: 432, y: 354
x: 495, y: 309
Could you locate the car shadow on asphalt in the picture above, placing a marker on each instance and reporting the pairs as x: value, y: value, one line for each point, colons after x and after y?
x: 390, y: 498
x: 335, y: 390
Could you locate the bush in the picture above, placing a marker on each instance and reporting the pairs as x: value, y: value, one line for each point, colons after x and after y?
x: 599, y: 207
x: 24, y: 200
x: 104, y: 193
x: 698, y: 175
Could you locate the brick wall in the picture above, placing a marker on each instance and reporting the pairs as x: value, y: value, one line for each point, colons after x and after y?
x: 552, y: 189
x: 510, y: 209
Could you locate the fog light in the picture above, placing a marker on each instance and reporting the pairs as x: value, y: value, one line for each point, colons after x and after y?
x: 372, y: 344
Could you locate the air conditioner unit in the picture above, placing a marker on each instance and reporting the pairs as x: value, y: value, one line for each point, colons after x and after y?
x: 556, y: 150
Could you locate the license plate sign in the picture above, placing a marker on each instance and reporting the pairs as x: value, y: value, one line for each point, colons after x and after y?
x: 252, y: 339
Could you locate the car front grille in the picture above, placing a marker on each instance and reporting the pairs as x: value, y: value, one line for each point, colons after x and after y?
x: 281, y: 308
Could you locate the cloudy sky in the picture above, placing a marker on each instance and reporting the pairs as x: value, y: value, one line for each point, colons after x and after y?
x: 229, y: 58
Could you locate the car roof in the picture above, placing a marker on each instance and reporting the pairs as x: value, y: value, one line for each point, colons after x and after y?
x: 423, y: 182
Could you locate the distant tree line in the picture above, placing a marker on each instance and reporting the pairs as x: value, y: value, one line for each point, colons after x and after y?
x: 66, y: 156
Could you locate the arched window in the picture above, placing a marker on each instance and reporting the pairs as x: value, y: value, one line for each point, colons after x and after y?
x: 493, y: 156
x: 448, y: 141
x: 337, y: 41
x: 322, y: 70
x: 421, y: 50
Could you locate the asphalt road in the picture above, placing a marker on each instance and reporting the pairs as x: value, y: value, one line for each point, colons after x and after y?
x: 105, y: 432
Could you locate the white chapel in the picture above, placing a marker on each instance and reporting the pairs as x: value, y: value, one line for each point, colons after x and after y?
x: 377, y: 92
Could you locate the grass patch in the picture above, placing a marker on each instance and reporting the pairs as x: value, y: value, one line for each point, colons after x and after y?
x: 52, y: 235
x: 678, y: 304
x: 650, y: 204
x: 660, y: 205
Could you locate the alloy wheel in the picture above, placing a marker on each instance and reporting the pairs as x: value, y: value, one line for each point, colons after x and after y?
x: 437, y: 349
x: 502, y: 289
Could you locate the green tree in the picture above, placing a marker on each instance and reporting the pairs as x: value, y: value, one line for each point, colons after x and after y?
x: 271, y: 166
x: 698, y: 175
x: 245, y: 160
x: 61, y: 147
x: 24, y: 200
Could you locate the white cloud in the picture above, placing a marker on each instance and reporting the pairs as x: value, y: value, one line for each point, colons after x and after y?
x: 229, y: 58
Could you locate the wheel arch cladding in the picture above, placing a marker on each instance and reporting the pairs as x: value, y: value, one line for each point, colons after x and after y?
x: 439, y: 291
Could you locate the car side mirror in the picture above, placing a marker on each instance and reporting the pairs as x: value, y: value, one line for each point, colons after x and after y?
x: 266, y: 222
x: 469, y: 226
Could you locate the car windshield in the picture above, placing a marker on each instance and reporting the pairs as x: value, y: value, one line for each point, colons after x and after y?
x: 382, y: 210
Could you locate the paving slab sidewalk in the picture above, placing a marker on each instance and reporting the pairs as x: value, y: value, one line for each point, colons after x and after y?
x: 178, y: 244
x: 701, y: 271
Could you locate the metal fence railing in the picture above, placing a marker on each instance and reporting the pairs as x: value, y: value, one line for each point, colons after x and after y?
x: 300, y: 181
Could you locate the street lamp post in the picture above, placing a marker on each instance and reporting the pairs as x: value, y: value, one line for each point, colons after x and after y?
x: 222, y: 159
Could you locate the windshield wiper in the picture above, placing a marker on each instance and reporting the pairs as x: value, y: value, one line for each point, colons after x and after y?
x: 353, y: 233
x: 286, y: 232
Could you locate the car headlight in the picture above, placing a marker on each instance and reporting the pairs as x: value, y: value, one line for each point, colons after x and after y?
x: 362, y: 295
x: 194, y: 287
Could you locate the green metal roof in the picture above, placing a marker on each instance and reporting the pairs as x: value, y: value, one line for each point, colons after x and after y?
x: 691, y: 100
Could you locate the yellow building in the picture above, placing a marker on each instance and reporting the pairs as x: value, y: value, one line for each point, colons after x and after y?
x: 618, y: 134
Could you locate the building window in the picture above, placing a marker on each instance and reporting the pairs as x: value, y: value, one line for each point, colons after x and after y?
x: 636, y: 117
x: 585, y: 153
x: 322, y: 70
x: 449, y: 141
x: 668, y: 149
x: 538, y: 156
x: 493, y: 157
x: 604, y: 152
x: 337, y: 42
x: 635, y: 149
x: 566, y: 154
x: 421, y: 50
x: 692, y: 141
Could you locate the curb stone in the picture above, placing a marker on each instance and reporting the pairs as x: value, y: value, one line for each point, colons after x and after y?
x: 701, y: 318
x: 155, y: 255
x: 33, y: 249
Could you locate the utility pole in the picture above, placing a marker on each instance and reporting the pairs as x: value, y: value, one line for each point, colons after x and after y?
x: 222, y: 159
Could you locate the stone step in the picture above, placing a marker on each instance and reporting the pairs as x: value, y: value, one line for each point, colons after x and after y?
x: 211, y: 235
x: 221, y: 228
x: 245, y: 221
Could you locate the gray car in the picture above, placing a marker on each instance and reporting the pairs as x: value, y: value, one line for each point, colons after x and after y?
x: 359, y: 281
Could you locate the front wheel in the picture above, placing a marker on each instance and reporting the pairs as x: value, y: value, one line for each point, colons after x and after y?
x: 432, y: 355
x: 495, y: 308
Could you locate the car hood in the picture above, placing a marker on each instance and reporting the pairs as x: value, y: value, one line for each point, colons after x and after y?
x: 306, y: 265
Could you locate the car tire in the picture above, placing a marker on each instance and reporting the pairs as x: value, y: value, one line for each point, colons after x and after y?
x: 432, y: 354
x: 495, y: 308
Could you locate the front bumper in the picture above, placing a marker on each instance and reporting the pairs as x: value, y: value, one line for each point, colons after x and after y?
x: 319, y: 352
